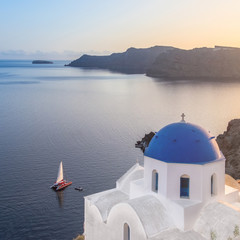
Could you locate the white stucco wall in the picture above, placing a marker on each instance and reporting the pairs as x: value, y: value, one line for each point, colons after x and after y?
x: 184, y: 212
x: 219, y: 219
x: 174, y: 173
x: 208, y: 170
x: 93, y: 222
x: 121, y: 214
x: 112, y: 229
x: 151, y: 164
x: 137, y: 188
x: 191, y: 214
x: 169, y: 175
x: 148, y: 214
x: 153, y: 216
x: 134, y: 173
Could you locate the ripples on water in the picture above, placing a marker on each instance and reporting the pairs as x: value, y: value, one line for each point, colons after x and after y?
x: 90, y: 120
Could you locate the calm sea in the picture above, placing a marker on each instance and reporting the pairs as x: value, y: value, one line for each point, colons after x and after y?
x: 90, y: 120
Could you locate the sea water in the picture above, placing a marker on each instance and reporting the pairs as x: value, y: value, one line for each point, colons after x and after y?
x: 90, y: 120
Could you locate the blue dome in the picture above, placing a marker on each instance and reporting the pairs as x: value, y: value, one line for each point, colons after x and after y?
x: 183, y: 143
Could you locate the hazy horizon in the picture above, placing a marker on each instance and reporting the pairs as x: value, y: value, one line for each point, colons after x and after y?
x: 68, y: 29
x: 66, y: 55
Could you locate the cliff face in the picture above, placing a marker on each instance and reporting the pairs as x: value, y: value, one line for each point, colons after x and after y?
x: 202, y: 63
x: 229, y: 143
x: 132, y: 61
x: 219, y: 63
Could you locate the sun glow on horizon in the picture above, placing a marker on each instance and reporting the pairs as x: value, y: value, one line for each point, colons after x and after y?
x: 114, y: 26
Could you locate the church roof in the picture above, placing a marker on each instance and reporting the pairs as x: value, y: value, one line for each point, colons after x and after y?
x: 183, y: 143
x: 176, y: 234
x: 136, y: 172
x: 104, y: 201
x: 219, y: 218
x: 152, y: 214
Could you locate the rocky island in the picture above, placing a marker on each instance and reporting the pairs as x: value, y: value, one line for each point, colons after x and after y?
x: 218, y: 63
x: 41, y: 62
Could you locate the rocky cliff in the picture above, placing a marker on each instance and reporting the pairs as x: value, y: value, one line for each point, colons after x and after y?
x: 219, y: 63
x: 132, y: 61
x: 229, y: 143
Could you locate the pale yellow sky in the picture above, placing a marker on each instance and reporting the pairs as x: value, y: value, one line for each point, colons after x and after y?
x: 114, y: 25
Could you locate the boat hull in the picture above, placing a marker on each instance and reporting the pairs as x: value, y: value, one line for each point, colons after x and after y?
x: 61, y: 187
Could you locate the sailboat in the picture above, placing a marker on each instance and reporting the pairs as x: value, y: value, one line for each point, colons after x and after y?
x: 60, y: 182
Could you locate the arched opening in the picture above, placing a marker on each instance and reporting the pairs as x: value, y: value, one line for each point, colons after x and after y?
x: 126, y: 232
x: 213, y: 185
x: 154, y: 181
x: 184, y: 186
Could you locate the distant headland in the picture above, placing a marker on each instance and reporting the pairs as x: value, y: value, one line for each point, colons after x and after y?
x: 132, y: 61
x: 218, y: 63
x: 41, y: 62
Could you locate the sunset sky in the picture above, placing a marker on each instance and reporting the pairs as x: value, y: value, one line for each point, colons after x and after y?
x: 73, y: 27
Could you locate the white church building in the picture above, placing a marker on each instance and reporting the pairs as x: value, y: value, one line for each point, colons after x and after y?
x: 180, y: 193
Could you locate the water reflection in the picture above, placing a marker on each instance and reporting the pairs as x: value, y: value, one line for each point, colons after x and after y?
x: 93, y: 125
x: 60, y: 195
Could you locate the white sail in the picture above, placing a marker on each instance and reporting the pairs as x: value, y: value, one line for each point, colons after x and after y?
x: 60, y: 173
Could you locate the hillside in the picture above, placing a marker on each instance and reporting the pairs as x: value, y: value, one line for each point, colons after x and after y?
x: 220, y: 63
x: 132, y: 61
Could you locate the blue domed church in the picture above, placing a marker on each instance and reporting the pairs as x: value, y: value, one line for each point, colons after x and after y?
x: 179, y: 193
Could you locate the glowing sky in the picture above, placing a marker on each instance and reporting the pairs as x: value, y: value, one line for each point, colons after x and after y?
x: 114, y: 25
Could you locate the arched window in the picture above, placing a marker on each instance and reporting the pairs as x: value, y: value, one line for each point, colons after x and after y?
x: 154, y: 181
x: 184, y: 186
x: 213, y: 184
x: 126, y: 232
